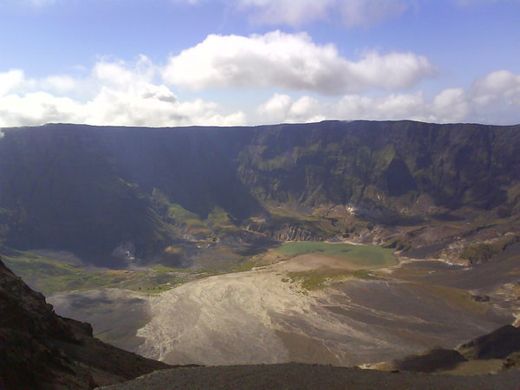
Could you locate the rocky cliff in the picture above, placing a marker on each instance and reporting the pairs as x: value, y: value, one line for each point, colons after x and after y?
x: 92, y: 189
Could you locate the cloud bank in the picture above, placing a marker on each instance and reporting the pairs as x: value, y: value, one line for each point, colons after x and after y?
x: 113, y: 93
x: 290, y: 61
x: 494, y: 99
x: 306, y: 81
x: 296, y: 13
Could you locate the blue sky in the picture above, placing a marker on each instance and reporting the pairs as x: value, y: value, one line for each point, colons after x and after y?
x: 180, y: 62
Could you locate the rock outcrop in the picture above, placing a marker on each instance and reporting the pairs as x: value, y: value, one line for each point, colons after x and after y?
x: 41, y: 350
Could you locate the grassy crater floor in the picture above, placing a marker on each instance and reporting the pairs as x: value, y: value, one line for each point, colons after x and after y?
x: 359, y: 256
x: 315, y: 265
x: 51, y: 275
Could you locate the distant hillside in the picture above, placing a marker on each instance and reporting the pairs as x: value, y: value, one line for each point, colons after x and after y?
x: 91, y: 190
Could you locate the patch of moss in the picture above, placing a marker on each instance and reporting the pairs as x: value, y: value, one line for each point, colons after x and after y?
x: 315, y: 280
x: 164, y: 269
x: 184, y: 217
x: 244, y: 266
x: 219, y: 219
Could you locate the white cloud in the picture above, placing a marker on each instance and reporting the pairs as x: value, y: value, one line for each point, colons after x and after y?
x: 451, y: 105
x: 390, y: 107
x: 61, y: 84
x: 37, y: 108
x: 500, y: 86
x: 295, y: 13
x: 390, y: 71
x: 496, y: 96
x: 494, y: 99
x: 276, y: 108
x: 10, y: 80
x: 282, y: 108
x: 355, y: 13
x: 349, y: 107
x: 358, y: 13
x: 292, y: 62
x: 291, y: 12
x: 118, y: 94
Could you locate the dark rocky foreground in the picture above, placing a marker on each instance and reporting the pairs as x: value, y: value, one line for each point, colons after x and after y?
x: 301, y: 376
x: 40, y: 350
x: 433, y: 370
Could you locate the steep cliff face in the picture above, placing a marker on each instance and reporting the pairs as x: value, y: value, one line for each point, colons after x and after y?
x: 455, y: 165
x: 91, y: 189
x: 40, y: 350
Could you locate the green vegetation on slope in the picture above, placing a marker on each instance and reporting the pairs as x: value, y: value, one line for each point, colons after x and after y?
x: 315, y: 280
x: 182, y: 216
x: 51, y: 276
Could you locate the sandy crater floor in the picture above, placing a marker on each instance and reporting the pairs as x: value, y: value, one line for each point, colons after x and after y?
x: 261, y: 316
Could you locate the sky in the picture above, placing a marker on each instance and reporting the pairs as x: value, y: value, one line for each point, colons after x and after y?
x: 249, y: 62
